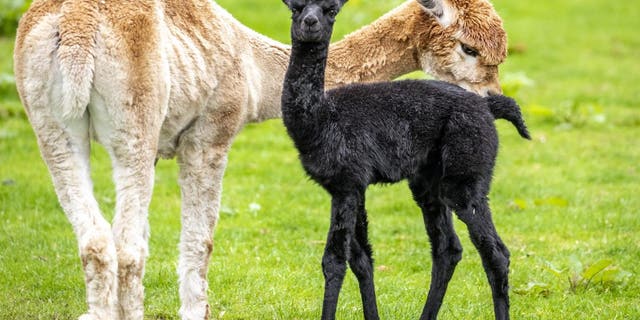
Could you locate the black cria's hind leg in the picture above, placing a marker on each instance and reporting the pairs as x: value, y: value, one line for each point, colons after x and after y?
x: 334, y: 262
x: 446, y: 250
x: 475, y: 213
x: 361, y: 264
x: 494, y: 254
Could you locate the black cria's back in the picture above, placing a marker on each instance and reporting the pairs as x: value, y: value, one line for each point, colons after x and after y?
x: 382, y: 132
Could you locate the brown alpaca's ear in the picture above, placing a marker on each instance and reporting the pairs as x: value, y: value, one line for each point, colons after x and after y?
x: 433, y: 6
x: 440, y: 11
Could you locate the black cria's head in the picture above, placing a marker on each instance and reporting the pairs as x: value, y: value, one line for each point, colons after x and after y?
x: 312, y: 20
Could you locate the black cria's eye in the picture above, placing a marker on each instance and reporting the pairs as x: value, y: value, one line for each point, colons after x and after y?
x: 296, y: 10
x: 331, y: 11
x: 469, y: 50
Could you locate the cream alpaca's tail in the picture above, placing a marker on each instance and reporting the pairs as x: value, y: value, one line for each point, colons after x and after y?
x: 77, y: 29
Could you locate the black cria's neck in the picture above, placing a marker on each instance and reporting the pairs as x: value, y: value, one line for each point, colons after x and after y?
x: 303, y: 89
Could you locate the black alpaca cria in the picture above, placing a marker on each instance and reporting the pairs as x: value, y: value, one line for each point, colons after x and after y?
x: 439, y: 137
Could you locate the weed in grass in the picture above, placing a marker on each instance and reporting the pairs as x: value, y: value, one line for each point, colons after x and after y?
x: 602, y: 274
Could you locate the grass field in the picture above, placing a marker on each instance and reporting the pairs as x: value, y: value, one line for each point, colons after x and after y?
x: 566, y: 203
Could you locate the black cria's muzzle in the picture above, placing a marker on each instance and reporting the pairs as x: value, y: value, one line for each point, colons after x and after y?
x: 311, y: 29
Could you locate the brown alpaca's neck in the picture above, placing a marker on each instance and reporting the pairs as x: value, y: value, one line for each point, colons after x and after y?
x: 380, y: 51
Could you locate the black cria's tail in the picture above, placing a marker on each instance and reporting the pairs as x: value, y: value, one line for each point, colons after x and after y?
x: 503, y: 107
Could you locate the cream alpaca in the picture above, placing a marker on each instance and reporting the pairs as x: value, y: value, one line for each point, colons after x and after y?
x: 180, y: 79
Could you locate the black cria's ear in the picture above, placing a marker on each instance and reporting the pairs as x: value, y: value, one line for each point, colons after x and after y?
x: 286, y: 2
x: 342, y: 2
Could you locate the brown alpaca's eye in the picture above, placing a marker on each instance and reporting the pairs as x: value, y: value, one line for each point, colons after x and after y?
x: 469, y: 50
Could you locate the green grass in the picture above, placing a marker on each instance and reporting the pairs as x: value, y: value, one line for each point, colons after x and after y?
x: 569, y: 195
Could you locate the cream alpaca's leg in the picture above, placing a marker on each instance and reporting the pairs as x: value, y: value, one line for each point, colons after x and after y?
x: 201, y: 175
x: 131, y: 141
x: 133, y: 171
x: 128, y: 104
x: 202, y: 156
x: 64, y: 145
x: 65, y: 148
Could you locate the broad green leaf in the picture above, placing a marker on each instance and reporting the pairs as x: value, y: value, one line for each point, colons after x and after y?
x: 607, y: 276
x: 595, y: 268
x: 611, y: 275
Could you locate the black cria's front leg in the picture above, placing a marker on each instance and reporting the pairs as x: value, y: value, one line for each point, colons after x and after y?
x: 361, y: 264
x: 334, y: 262
x: 494, y: 254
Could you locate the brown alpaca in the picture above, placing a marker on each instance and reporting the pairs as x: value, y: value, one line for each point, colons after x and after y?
x: 180, y: 79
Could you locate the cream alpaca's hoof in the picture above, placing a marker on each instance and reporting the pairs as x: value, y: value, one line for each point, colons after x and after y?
x: 88, y: 316
x: 199, y: 312
x: 91, y: 316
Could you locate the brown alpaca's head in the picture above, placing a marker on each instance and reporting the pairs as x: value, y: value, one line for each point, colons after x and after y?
x: 465, y: 46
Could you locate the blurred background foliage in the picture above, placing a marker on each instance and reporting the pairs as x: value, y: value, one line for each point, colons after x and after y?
x: 10, y: 15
